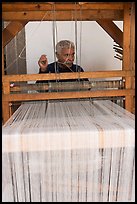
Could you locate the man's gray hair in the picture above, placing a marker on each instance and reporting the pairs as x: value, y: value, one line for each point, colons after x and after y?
x: 64, y: 44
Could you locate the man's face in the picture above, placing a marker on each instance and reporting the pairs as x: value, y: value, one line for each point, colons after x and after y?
x: 66, y: 56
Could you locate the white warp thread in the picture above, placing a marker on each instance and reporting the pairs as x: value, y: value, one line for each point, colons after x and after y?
x: 72, y: 151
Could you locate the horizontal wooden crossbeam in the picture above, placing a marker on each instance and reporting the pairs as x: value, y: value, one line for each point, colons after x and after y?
x: 67, y: 75
x: 67, y: 95
x: 63, y: 11
x: 46, y: 6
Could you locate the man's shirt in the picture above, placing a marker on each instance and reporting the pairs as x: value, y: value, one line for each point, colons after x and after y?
x: 55, y: 68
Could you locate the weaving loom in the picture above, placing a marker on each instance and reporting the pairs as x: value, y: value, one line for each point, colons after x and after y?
x: 69, y: 151
x: 62, y: 144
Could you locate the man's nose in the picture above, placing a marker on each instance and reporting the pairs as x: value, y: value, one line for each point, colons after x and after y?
x: 71, y: 57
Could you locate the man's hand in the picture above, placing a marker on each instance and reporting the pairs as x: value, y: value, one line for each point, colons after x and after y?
x: 43, y: 63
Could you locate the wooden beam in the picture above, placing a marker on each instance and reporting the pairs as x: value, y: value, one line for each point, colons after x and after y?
x: 126, y: 36
x: 132, y: 50
x: 67, y: 75
x: 66, y: 95
x: 87, y: 15
x: 5, y: 111
x: 112, y: 29
x: 48, y: 6
x: 2, y: 59
x: 64, y: 11
x: 11, y: 31
x: 5, y: 104
x: 132, y: 47
x: 126, y: 52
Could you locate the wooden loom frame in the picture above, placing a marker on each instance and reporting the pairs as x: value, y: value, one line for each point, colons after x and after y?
x: 104, y: 13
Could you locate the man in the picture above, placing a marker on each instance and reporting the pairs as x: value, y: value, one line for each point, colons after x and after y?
x: 65, y: 53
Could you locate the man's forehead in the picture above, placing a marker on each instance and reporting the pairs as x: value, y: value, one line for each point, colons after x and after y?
x: 67, y: 50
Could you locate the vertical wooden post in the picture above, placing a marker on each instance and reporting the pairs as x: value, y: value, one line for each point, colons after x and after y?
x: 5, y: 103
x: 5, y: 111
x: 126, y: 52
x: 132, y: 49
x: 2, y: 59
x: 5, y: 90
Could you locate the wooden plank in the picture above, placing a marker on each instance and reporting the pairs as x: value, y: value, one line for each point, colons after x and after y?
x: 32, y: 6
x: 113, y: 30
x: 87, y: 15
x: 67, y: 95
x: 74, y: 75
x: 11, y: 31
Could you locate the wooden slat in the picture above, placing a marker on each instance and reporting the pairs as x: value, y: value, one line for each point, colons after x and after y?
x: 113, y: 30
x: 74, y: 75
x: 87, y: 15
x: 32, y: 6
x: 66, y: 95
x: 11, y: 31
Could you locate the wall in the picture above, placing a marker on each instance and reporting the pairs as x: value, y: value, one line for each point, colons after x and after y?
x: 94, y: 46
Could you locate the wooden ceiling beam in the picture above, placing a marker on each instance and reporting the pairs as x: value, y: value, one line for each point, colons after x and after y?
x: 87, y: 15
x: 47, y: 6
x: 112, y: 29
x: 11, y: 30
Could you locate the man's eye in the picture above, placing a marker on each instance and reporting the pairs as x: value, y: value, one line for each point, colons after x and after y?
x: 67, y: 55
